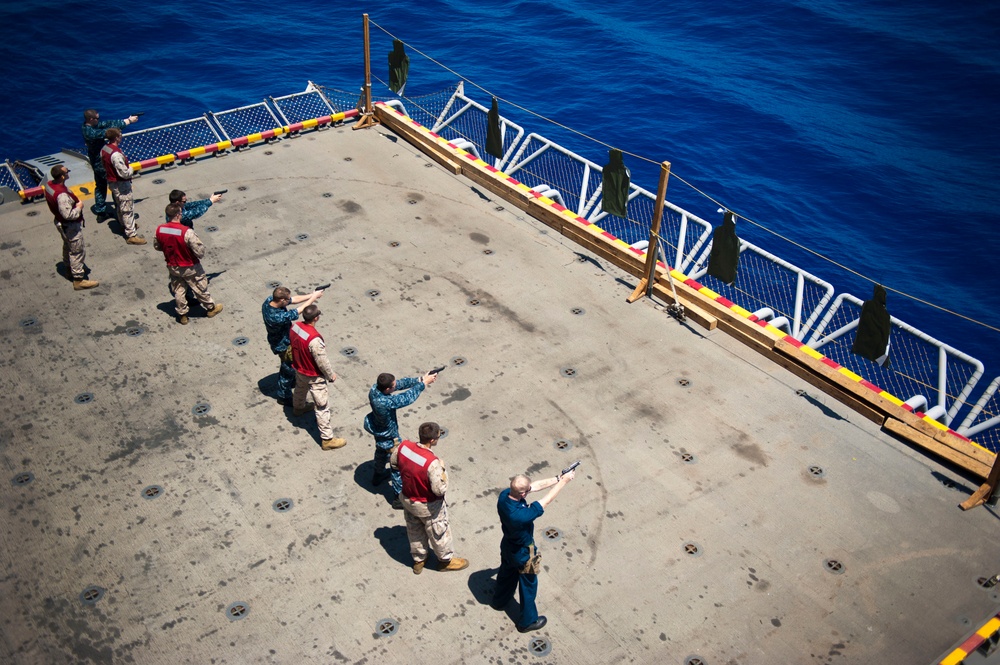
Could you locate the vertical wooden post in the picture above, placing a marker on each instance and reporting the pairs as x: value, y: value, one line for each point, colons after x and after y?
x: 367, y: 118
x: 649, y: 279
x: 982, y: 495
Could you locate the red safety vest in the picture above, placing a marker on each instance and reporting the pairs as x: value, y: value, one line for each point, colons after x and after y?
x: 301, y: 336
x: 175, y: 250
x: 109, y: 169
x: 52, y: 192
x: 413, y: 463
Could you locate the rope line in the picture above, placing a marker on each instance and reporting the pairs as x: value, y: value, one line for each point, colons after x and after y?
x: 673, y: 174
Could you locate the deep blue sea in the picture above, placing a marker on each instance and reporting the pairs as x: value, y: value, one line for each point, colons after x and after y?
x: 865, y: 130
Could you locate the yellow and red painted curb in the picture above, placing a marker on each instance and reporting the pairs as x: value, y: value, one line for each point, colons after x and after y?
x: 977, y: 638
x: 774, y: 332
x: 183, y: 155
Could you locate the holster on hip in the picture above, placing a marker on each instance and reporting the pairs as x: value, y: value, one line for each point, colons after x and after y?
x: 534, y: 565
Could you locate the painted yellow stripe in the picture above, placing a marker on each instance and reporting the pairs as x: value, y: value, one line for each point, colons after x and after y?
x: 196, y: 152
x: 708, y: 292
x: 811, y: 352
x: 989, y: 628
x: 892, y: 398
x: 569, y: 213
x: 954, y: 658
x: 849, y: 374
x: 310, y: 123
x: 337, y: 117
x: 164, y: 159
x: 254, y: 137
x: 225, y: 145
x: 546, y: 200
x: 935, y: 423
x: 777, y: 332
x: 742, y: 312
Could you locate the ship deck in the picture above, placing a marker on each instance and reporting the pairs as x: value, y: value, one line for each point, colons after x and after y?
x: 724, y: 508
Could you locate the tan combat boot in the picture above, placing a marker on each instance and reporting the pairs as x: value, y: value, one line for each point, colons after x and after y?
x: 136, y: 240
x: 182, y: 319
x: 454, y: 564
x: 333, y: 444
x: 81, y: 284
x: 215, y: 310
x: 418, y: 567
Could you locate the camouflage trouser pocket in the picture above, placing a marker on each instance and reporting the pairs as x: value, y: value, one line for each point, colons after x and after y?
x: 286, y: 355
x: 440, y: 523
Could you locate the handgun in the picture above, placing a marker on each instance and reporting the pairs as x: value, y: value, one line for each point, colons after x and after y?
x: 323, y: 288
x: 221, y: 191
x: 570, y: 468
x: 437, y: 369
x: 139, y: 113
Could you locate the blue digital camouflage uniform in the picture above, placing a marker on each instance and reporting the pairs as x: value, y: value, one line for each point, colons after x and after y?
x: 385, y: 429
x: 278, y: 322
x: 195, y: 209
x: 94, y: 138
x: 517, y: 519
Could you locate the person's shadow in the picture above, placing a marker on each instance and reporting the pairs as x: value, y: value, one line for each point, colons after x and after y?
x: 393, y: 541
x: 482, y: 585
x: 363, y: 479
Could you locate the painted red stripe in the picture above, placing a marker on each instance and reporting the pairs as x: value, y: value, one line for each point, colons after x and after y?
x: 269, y: 134
x: 870, y: 386
x: 236, y: 142
x: 325, y: 120
x: 971, y: 644
x: 470, y: 156
x: 432, y: 133
x: 558, y: 207
x: 907, y: 407
x: 492, y: 169
x: 959, y: 435
x: 297, y: 127
x: 725, y: 302
x: 353, y: 113
x: 608, y: 235
x: 583, y: 221
x: 148, y: 163
x: 35, y: 191
x: 794, y: 342
x: 830, y: 363
x: 693, y: 284
x: 637, y: 251
x: 511, y: 181
x: 662, y: 265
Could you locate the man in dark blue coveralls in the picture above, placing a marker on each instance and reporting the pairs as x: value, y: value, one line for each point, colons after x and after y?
x: 381, y: 422
x: 192, y: 210
x: 93, y: 135
x: 517, y: 548
x: 278, y: 321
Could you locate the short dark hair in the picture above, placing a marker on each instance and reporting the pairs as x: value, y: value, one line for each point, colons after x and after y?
x: 384, y: 381
x: 310, y: 313
x: 176, y: 196
x: 173, y: 211
x: 429, y: 432
x: 281, y: 293
x: 90, y: 114
x: 112, y: 134
x: 56, y: 171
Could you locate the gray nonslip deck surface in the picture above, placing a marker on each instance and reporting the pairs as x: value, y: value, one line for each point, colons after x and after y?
x: 724, y: 509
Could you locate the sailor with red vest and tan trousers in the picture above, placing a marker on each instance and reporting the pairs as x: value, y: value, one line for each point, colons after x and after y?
x: 119, y: 175
x: 425, y: 482
x: 68, y: 212
x: 183, y: 251
x: 312, y: 371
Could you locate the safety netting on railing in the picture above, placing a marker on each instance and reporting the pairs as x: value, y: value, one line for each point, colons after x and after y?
x: 773, y: 289
x: 465, y: 119
x: 982, y: 424
x: 428, y: 109
x: 929, y: 375
x: 245, y: 120
x: 168, y: 139
x: 7, y: 178
x: 302, y: 106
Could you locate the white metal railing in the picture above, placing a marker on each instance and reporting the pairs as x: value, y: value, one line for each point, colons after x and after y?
x: 776, y: 288
x: 921, y: 369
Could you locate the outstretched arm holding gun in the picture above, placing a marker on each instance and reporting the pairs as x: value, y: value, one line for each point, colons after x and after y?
x: 557, y: 483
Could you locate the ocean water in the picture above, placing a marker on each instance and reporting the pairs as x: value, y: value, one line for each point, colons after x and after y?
x: 865, y: 130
